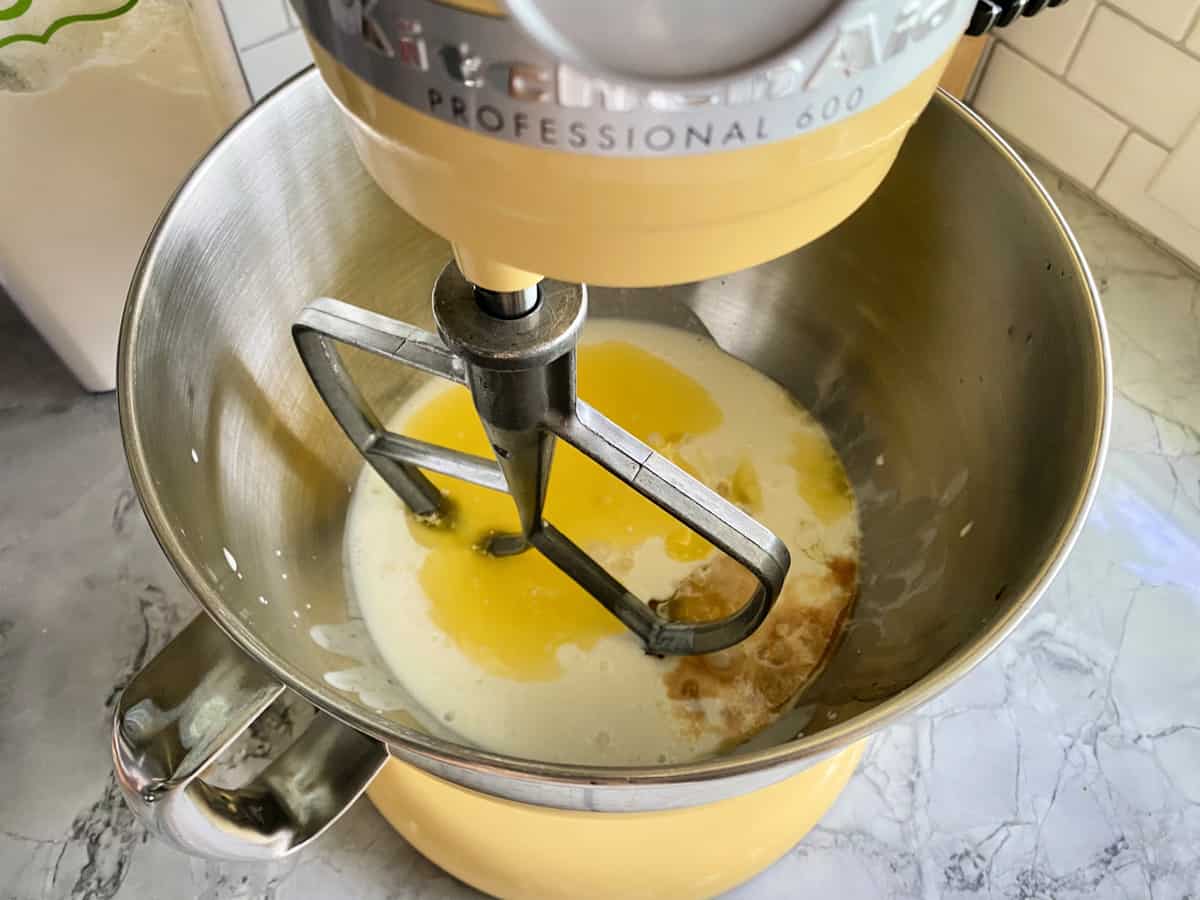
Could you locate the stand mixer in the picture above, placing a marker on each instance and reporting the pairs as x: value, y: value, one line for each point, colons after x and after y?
x: 696, y: 145
x: 645, y: 144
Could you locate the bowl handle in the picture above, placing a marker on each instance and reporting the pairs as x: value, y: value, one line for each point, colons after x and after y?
x: 184, y: 709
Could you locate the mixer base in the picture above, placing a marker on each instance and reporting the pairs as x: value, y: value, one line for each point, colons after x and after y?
x: 515, y: 850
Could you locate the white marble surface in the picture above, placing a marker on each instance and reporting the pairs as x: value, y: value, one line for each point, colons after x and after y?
x: 1067, y: 765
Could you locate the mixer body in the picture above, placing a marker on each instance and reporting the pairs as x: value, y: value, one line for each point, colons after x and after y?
x: 667, y: 164
x: 671, y: 854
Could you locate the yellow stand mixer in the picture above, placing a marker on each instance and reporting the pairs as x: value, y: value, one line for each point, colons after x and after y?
x: 557, y: 144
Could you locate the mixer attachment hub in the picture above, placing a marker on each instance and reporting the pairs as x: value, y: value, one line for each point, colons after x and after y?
x: 508, y: 304
x: 521, y: 372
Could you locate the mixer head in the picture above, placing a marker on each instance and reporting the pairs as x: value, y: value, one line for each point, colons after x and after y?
x: 516, y: 353
x: 628, y: 144
x: 639, y: 142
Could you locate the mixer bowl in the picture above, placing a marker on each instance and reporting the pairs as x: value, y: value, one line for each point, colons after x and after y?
x: 948, y: 336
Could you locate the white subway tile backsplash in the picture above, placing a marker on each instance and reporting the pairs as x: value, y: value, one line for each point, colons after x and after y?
x: 1050, y: 39
x: 253, y: 21
x: 1125, y: 187
x: 1169, y: 17
x: 1108, y: 92
x: 274, y: 61
x: 1063, y: 126
x: 1138, y: 75
x: 1176, y: 185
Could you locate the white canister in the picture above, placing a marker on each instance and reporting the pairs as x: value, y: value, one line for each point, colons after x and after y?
x: 104, y: 106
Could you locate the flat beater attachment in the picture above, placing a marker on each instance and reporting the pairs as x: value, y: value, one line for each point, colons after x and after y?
x: 516, y: 353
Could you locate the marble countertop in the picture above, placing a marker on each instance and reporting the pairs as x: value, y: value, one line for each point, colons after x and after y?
x: 1067, y: 765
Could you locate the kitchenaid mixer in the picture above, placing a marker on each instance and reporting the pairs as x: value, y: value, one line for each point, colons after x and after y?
x: 232, y: 449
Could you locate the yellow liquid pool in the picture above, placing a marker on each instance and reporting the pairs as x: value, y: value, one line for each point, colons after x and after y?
x: 512, y: 614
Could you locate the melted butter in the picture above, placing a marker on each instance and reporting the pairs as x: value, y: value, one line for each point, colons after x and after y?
x: 820, y: 478
x: 743, y: 488
x: 511, y: 615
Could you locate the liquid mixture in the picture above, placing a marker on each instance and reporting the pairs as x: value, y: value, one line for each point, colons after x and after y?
x: 516, y: 657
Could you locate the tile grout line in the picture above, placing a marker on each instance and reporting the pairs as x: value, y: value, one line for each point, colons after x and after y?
x: 272, y: 37
x: 1083, y: 33
x: 1194, y: 125
x: 1193, y: 28
x: 237, y: 53
x: 1112, y: 161
x: 290, y: 16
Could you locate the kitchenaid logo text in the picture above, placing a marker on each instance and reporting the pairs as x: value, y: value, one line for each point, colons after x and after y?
x: 556, y: 105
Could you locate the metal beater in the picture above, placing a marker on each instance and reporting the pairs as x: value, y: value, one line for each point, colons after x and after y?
x: 515, y: 351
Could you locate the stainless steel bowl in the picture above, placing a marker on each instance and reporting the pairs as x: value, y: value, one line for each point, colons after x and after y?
x: 948, y: 336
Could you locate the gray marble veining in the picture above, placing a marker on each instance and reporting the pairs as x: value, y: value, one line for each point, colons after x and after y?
x: 1067, y: 765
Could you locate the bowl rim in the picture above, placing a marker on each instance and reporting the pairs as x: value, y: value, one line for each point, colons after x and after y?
x: 416, y: 745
